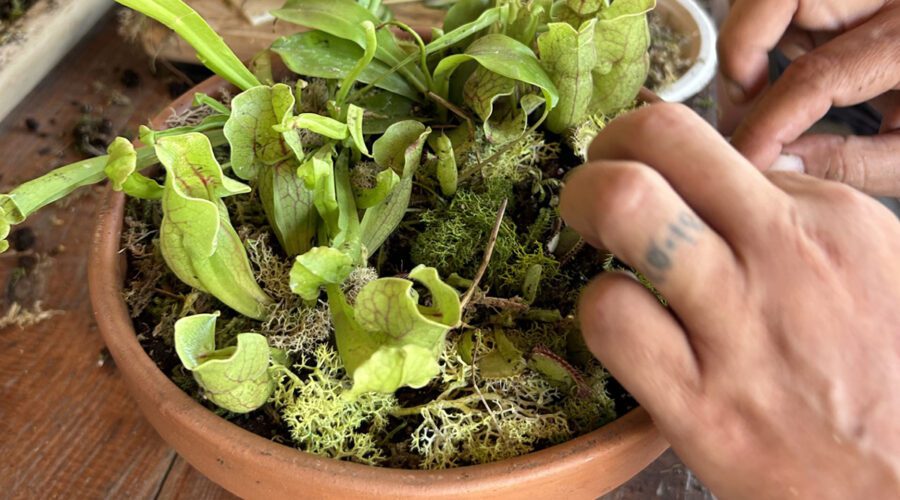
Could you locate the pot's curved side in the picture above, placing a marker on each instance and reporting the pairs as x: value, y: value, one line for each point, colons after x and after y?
x: 253, y: 467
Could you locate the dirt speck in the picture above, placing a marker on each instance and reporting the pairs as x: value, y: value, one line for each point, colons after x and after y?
x: 32, y: 125
x: 22, y: 239
x: 130, y: 79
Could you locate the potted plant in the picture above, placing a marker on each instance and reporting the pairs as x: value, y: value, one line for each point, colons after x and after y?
x: 365, y: 261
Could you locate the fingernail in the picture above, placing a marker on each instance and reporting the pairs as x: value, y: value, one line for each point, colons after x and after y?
x: 735, y: 92
x: 788, y: 163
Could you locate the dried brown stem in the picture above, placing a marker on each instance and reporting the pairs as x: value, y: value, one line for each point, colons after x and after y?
x: 488, y: 252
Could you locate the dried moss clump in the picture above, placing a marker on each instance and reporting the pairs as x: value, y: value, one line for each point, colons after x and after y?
x: 321, y: 420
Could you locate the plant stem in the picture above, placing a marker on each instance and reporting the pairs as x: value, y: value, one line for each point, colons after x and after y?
x: 488, y: 252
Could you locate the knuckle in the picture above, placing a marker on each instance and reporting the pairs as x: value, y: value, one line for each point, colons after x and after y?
x: 599, y: 302
x: 624, y: 191
x: 809, y: 69
x: 655, y: 119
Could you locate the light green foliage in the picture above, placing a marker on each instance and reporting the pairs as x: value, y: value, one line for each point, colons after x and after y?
x: 355, y: 116
x: 504, y: 418
x: 320, y: 55
x: 36, y: 194
x: 319, y: 267
x: 259, y: 151
x: 235, y: 378
x: 399, y: 149
x: 121, y: 170
x: 211, y: 49
x: 622, y: 38
x: 321, y: 420
x: 569, y: 55
x: 254, y: 143
x: 344, y: 19
x: 196, y: 237
x: 447, y: 172
x: 388, y: 340
x: 502, y: 55
x: 593, y: 409
x: 452, y: 239
x: 502, y: 361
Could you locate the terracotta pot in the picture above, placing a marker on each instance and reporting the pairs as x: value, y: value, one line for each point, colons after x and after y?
x: 253, y: 467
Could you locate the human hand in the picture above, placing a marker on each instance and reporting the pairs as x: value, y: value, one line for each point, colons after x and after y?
x: 775, y: 371
x: 844, y: 53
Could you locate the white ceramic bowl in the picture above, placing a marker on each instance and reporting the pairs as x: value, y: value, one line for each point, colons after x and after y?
x: 688, y: 18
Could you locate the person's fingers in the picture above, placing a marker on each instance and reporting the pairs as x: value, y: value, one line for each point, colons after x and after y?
x: 889, y: 106
x: 852, y: 68
x: 640, y: 343
x: 751, y: 30
x: 629, y: 209
x: 870, y: 164
x: 690, y: 155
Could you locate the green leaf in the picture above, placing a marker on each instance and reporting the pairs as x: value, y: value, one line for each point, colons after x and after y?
x: 320, y: 55
x: 355, y: 125
x: 464, y: 12
x: 557, y: 370
x: 622, y: 38
x: 211, y: 49
x: 319, y: 267
x: 383, y: 109
x: 343, y: 19
x: 121, y: 170
x: 35, y: 194
x: 317, y: 173
x: 569, y: 56
x: 504, y: 361
x: 585, y: 7
x: 289, y: 206
x: 250, y: 129
x: 490, y: 95
x: 385, y: 181
x: 502, y: 55
x: 322, y: 125
x: 399, y: 149
x: 234, y: 378
x: 196, y: 237
x: 388, y: 340
x: 447, y: 171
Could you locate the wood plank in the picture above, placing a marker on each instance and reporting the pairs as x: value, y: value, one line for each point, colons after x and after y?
x: 69, y: 427
x: 184, y: 483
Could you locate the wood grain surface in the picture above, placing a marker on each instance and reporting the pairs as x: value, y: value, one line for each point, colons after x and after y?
x: 68, y: 429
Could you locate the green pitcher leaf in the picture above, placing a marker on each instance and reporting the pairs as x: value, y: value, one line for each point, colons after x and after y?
x: 320, y: 55
x: 318, y: 267
x: 399, y: 149
x: 585, y: 7
x: 622, y: 38
x: 122, y: 172
x: 212, y: 51
x: 355, y: 116
x: 289, y: 206
x: 504, y: 361
x: 387, y: 340
x: 343, y: 19
x: 234, y: 378
x: 31, y: 196
x: 196, y: 237
x: 317, y: 173
x: 502, y: 55
x: 447, y: 171
x: 569, y: 56
x: 383, y: 109
x: 322, y: 125
x: 251, y: 128
x: 385, y: 181
x: 490, y: 95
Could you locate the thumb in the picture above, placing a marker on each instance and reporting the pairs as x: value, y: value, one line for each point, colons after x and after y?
x: 870, y: 164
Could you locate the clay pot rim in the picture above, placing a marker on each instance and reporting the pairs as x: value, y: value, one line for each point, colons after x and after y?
x: 105, y: 279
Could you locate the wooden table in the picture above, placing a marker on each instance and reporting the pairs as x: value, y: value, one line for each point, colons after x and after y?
x: 68, y: 426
